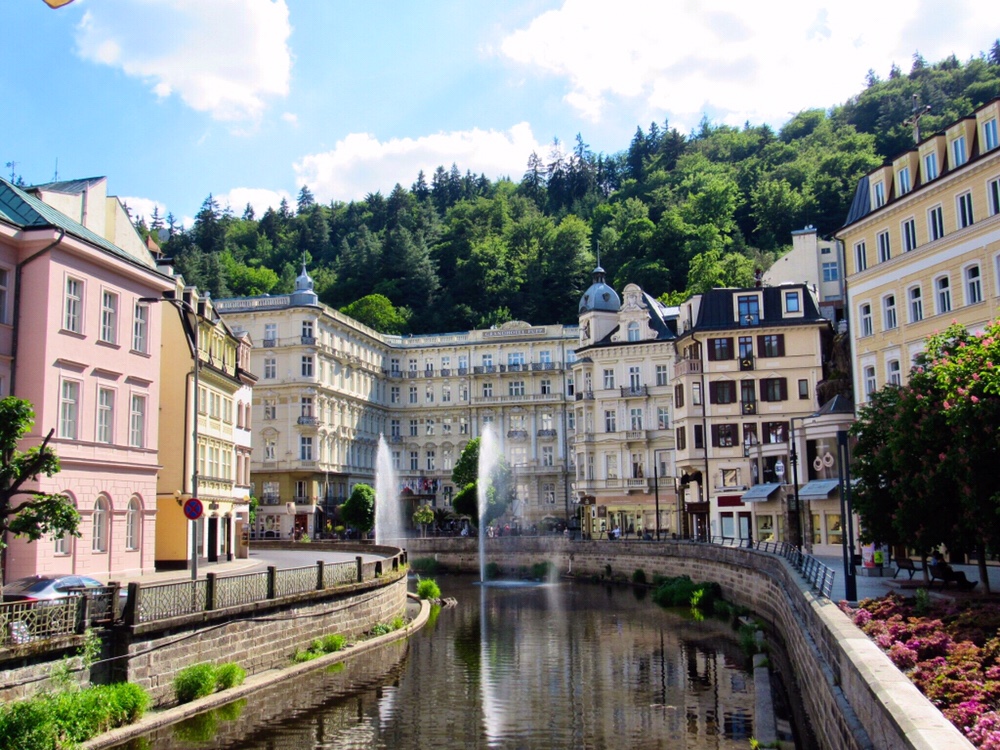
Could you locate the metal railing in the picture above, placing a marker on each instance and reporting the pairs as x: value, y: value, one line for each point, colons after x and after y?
x: 819, y: 576
x: 29, y: 621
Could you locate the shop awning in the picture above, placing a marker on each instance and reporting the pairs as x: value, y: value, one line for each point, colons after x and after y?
x: 819, y: 489
x: 760, y: 493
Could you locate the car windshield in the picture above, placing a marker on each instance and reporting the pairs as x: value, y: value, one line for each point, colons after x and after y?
x: 28, y: 586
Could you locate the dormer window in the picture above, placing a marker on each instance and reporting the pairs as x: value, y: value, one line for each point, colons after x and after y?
x: 990, y: 134
x: 748, y: 309
x: 633, y: 331
x: 903, y: 181
x: 930, y: 167
x: 793, y: 302
x: 879, y: 194
x: 958, y: 154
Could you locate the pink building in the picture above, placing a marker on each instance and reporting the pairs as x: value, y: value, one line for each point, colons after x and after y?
x: 78, y: 344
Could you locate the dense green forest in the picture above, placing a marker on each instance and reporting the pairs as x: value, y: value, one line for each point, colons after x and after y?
x: 675, y: 213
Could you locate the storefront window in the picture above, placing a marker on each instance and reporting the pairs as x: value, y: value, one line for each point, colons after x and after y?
x: 728, y: 528
x: 833, y: 532
x: 765, y: 528
x: 817, y: 529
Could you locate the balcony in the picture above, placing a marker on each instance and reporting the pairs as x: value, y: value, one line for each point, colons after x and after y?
x: 395, y: 374
x: 634, y: 391
x: 429, y: 372
x: 585, y: 437
x: 638, y: 483
x: 311, y: 421
x: 269, y: 499
x: 517, y: 434
x: 269, y: 343
x: 308, y: 340
x: 612, y: 483
x: 395, y: 438
x: 445, y: 372
x: 542, y: 366
x: 687, y: 367
x: 302, y: 500
x: 463, y: 370
x: 516, y: 368
x: 633, y: 435
x: 585, y: 396
x: 411, y: 374
x: 546, y: 433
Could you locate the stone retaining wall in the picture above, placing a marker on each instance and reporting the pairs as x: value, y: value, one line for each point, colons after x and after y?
x: 854, y: 696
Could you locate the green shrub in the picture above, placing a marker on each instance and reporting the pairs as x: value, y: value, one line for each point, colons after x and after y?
x: 333, y: 642
x: 425, y: 565
x: 397, y: 623
x: 542, y: 571
x: 229, y: 675
x: 194, y: 682
x: 305, y: 655
x: 492, y: 571
x: 639, y: 577
x: 427, y: 588
x: 682, y: 592
x: 379, y: 628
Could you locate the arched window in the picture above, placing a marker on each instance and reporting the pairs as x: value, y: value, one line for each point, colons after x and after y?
x: 133, y: 524
x: 633, y: 331
x: 62, y: 545
x: 99, y: 523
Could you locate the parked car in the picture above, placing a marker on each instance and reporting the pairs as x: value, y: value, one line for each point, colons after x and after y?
x: 35, y: 588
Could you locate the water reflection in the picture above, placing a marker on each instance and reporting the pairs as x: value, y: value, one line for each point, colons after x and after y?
x: 555, y: 666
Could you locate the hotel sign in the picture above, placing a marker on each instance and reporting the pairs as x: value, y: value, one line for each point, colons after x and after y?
x: 513, y: 332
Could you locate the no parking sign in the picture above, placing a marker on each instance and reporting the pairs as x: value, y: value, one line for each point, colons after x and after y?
x: 193, y: 509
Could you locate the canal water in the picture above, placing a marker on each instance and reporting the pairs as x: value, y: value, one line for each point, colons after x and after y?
x: 564, y: 665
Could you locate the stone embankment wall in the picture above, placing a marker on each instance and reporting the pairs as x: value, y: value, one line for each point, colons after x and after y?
x: 854, y: 696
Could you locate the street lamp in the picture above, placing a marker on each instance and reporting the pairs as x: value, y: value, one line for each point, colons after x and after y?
x: 189, y: 320
x: 796, y: 530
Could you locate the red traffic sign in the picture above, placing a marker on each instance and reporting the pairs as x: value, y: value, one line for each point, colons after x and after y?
x: 193, y: 509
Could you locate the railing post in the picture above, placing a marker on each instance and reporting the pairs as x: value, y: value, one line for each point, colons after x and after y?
x: 83, y: 614
x: 209, y: 592
x: 272, y: 582
x: 319, y: 575
x: 360, y: 569
x: 395, y: 563
x: 378, y: 568
x: 132, y: 604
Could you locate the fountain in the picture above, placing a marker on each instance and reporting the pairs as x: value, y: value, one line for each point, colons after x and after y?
x: 388, y: 514
x: 489, y: 459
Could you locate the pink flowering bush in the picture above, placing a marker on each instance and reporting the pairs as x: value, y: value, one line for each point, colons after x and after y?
x: 951, y: 653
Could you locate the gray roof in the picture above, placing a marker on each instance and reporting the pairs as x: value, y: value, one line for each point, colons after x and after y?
x: 599, y: 296
x: 818, y: 489
x: 71, y: 187
x: 760, y: 492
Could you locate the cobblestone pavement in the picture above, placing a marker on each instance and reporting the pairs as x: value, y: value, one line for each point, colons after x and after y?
x: 873, y: 586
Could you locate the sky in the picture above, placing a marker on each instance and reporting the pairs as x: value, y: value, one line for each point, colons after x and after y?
x: 249, y: 100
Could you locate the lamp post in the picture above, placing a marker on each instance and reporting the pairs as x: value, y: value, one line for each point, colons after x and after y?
x: 189, y: 320
x: 846, y: 522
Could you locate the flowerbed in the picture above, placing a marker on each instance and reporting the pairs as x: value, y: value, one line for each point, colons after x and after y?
x: 951, y: 652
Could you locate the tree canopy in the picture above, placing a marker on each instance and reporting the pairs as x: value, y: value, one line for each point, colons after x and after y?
x: 358, y: 511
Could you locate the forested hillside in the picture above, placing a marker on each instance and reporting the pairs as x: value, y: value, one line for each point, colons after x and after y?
x: 673, y: 212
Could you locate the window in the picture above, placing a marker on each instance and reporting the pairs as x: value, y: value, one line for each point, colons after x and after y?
x: 515, y: 358
x: 831, y: 272
x: 413, y: 427
x: 487, y: 390
x: 903, y: 181
x: 515, y: 388
x: 270, y: 408
x: 723, y: 435
x: 699, y: 436
x: 943, y: 288
x: 992, y: 195
x: 720, y: 349
x: 679, y: 396
x: 549, y: 493
x: 634, y: 377
x: 878, y: 195
x: 429, y: 426
x: 137, y: 422
x: 935, y: 223
x: 860, y: 257
x: 661, y: 374
x: 270, y: 368
x: 270, y: 333
x: 307, y: 366
x: 745, y: 344
x: 793, y: 302
x: 990, y: 134
x: 973, y: 286
x: 609, y: 379
x: 99, y: 526
x: 748, y: 308
x: 73, y: 306
x: 909, y: 231
x: 680, y: 438
x: 930, y: 167
x: 889, y: 312
x: 414, y: 460
x: 695, y: 394
x: 964, y: 210
x: 430, y: 455
x: 546, y: 387
x: 869, y: 381
x: 429, y: 395
x: 722, y: 392
x: 394, y: 394
x: 394, y: 426
x: 307, y: 331
x: 548, y: 455
x: 775, y: 432
x: 487, y: 360
x: 773, y: 389
x: 804, y: 389
x: 571, y: 420
x: 105, y: 415
x: 306, y: 406
x: 132, y: 525
x: 633, y: 331
x: 748, y: 394
x: 269, y: 449
x: 662, y: 418
x: 635, y: 419
x: 140, y: 327
x: 916, y: 305
x: 446, y: 394
x: 771, y: 345
x: 958, y: 155
x: 866, y: 320
x: 305, y: 448
x: 69, y: 408
x: 109, y: 317
x: 895, y: 376
x: 413, y: 394
x: 884, y: 249
x: 609, y: 421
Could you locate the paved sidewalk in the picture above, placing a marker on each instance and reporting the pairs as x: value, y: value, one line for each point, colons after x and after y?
x: 869, y: 587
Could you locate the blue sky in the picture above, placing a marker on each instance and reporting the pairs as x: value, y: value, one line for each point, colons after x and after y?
x: 251, y: 99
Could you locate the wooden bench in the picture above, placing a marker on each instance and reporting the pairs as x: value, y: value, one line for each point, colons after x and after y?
x: 909, y: 565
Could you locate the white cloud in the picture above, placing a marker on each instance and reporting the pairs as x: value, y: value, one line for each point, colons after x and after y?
x: 224, y: 57
x: 360, y: 163
x: 143, y: 207
x: 259, y: 198
x: 290, y: 117
x: 740, y: 60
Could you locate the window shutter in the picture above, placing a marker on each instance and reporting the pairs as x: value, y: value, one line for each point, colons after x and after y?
x: 761, y: 350
x: 781, y: 345
x: 711, y: 350
x: 713, y: 393
x: 783, y: 388
x: 715, y: 436
x: 730, y: 352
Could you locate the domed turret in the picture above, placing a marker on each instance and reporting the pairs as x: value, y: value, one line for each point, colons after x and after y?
x: 304, y: 294
x: 599, y: 296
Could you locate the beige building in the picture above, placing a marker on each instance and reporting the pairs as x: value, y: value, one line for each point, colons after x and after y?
x: 330, y: 386
x: 625, y: 479
x: 922, y: 242
x: 816, y: 262
x: 747, y: 366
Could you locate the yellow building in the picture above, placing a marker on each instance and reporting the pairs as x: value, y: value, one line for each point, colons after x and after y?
x: 747, y: 368
x: 922, y: 243
x: 624, y: 441
x: 206, y: 391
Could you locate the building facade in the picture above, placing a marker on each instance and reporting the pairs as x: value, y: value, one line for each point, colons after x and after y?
x: 76, y: 341
x: 748, y: 362
x: 922, y: 243
x: 818, y: 263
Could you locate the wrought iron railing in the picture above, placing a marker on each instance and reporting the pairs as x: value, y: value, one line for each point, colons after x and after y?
x: 819, y: 576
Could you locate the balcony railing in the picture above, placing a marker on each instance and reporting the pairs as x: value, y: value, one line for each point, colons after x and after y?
x: 633, y: 391
x: 687, y: 367
x: 269, y: 343
x: 463, y: 370
x: 411, y: 374
x: 311, y: 421
x: 517, y: 434
x: 268, y: 499
x: 309, y: 340
x: 539, y: 366
x: 395, y: 438
x: 547, y: 433
x: 429, y: 372
x: 445, y: 372
x: 635, y: 435
x: 585, y: 396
